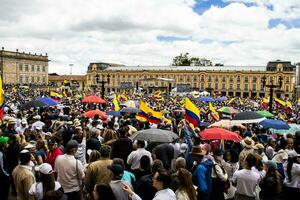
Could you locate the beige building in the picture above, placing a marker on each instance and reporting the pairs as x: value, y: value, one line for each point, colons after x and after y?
x: 23, y: 68
x: 226, y: 80
x: 74, y: 82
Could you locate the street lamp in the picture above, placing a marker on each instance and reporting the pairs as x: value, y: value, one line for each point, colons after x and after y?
x: 271, y: 86
x: 97, y: 77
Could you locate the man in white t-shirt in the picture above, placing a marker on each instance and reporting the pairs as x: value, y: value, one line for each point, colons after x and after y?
x: 246, y: 180
x: 135, y: 156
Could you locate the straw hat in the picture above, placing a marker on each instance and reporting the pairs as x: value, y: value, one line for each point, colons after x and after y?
x: 248, y: 142
x: 196, y: 150
x: 258, y: 146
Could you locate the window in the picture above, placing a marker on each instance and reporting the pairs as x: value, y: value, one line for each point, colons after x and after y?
x: 44, y: 68
x: 32, y: 79
x: 209, y: 85
x: 254, y: 79
x: 216, y: 79
x: 231, y: 79
x: 223, y: 79
x: 26, y: 68
x: 287, y: 79
x: 246, y: 87
x: 231, y: 86
x: 262, y: 88
x: 223, y: 86
x: 202, y: 86
x: 27, y: 79
x: 238, y: 79
x: 238, y: 86
x: 287, y: 88
x: 209, y: 78
x: 20, y: 67
x: 32, y: 68
x: 44, y: 79
x: 254, y: 87
x: 246, y: 79
x: 38, y: 79
x: 21, y: 79
x: 38, y: 68
x: 202, y: 78
x: 216, y: 85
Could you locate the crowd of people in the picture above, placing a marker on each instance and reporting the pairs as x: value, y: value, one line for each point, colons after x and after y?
x: 54, y: 153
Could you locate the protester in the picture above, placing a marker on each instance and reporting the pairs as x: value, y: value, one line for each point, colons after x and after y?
x: 70, y: 171
x: 23, y: 176
x: 4, y: 173
x: 103, y: 191
x: 46, y: 182
x: 292, y: 176
x: 186, y: 190
x: 134, y: 157
x: 54, y: 152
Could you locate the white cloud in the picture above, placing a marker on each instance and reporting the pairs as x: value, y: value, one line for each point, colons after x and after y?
x: 80, y: 32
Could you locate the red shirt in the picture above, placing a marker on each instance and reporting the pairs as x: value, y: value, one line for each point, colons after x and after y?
x: 51, y: 157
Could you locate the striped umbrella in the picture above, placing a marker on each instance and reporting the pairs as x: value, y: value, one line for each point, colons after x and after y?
x: 228, y: 110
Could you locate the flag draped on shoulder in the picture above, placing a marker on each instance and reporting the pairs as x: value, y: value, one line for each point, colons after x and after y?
x: 149, y: 114
x: 2, y: 100
x: 214, y: 113
x: 192, y: 113
x: 116, y: 103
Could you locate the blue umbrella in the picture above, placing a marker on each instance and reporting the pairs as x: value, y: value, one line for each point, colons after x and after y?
x: 48, y: 101
x: 206, y: 99
x: 114, y: 113
x: 222, y: 99
x: 275, y: 124
x: 293, y: 129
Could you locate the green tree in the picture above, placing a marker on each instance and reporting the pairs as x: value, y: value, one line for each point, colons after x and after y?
x: 185, y: 60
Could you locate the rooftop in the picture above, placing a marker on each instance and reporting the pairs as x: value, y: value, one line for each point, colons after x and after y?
x: 186, y: 68
x: 66, y: 77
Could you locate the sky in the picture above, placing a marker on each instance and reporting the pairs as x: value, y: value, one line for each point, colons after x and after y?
x: 151, y: 32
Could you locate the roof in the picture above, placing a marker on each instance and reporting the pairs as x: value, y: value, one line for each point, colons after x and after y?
x: 187, y: 68
x: 67, y: 77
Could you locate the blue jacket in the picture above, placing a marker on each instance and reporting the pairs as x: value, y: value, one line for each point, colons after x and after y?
x: 202, y: 176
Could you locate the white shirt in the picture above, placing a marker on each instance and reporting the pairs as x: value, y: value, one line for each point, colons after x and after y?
x: 21, y: 129
x: 135, y: 157
x: 65, y: 166
x: 37, y: 124
x: 295, y: 176
x: 246, y: 180
x: 37, y: 190
x: 160, y: 195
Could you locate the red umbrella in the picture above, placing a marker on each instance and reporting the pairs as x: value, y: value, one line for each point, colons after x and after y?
x: 219, y: 134
x: 92, y: 113
x: 93, y: 99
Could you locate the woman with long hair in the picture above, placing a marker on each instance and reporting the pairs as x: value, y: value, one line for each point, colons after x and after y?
x: 40, y: 152
x: 103, y: 192
x: 292, y: 176
x: 186, y: 190
x: 271, y: 184
x: 46, y: 182
x: 231, y: 165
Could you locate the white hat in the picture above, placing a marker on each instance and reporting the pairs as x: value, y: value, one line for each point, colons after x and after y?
x: 99, y: 126
x: 38, y: 117
x: 23, y: 121
x: 29, y: 146
x: 44, y: 168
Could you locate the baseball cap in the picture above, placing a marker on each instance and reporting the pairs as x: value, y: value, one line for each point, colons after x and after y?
x: 3, y: 140
x: 44, y: 168
x: 270, y: 164
x: 116, y: 169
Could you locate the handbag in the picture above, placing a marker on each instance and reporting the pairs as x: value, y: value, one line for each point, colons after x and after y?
x: 225, y: 184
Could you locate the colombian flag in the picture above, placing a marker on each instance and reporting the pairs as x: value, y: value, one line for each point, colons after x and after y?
x: 265, y: 103
x: 116, y: 103
x: 2, y: 100
x: 149, y: 114
x: 192, y: 113
x: 214, y: 113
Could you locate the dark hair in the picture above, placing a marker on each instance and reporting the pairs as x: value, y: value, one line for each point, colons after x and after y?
x: 105, y: 192
x: 164, y: 177
x: 119, y: 161
x: 105, y: 151
x: 94, y: 156
x: 157, y: 164
x: 272, y: 172
x: 141, y: 143
x: 291, y: 161
x: 234, y: 156
x: 25, y: 158
x: 251, y: 160
x: 48, y: 182
x: 145, y: 162
x: 186, y: 183
x: 54, y: 195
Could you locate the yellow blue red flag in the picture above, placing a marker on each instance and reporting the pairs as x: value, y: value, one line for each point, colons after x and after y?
x: 149, y: 114
x: 116, y: 103
x: 192, y: 113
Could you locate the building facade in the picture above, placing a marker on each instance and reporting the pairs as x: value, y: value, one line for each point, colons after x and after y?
x: 225, y: 80
x: 74, y: 82
x: 23, y: 68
